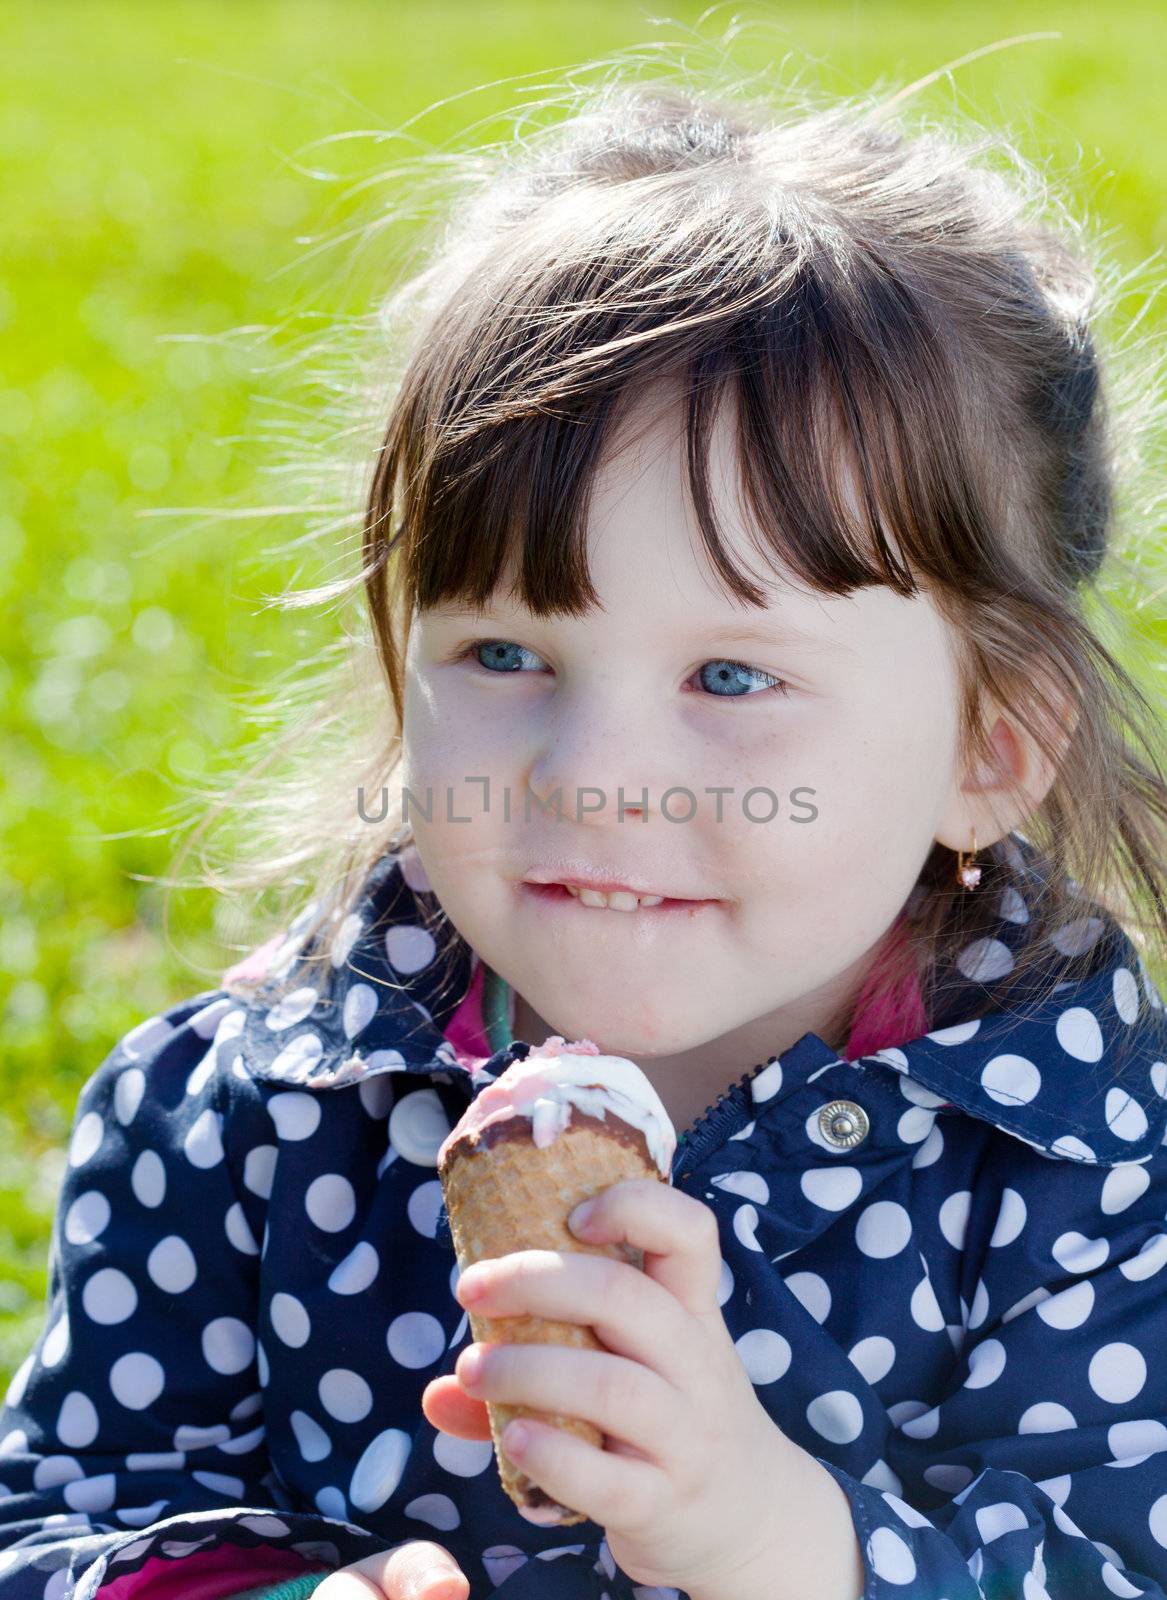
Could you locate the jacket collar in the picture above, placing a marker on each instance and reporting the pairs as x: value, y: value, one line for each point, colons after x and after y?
x: 1080, y: 1075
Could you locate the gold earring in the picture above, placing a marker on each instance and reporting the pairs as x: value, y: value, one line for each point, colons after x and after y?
x: 967, y: 875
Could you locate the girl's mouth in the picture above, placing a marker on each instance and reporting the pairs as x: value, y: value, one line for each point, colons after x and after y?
x: 578, y: 900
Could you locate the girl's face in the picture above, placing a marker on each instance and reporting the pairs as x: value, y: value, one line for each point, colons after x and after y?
x: 839, y: 714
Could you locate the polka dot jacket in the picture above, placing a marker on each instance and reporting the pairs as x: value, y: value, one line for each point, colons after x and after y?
x: 952, y: 1293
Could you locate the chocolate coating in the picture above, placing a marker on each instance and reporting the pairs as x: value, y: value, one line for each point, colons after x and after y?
x: 519, y: 1127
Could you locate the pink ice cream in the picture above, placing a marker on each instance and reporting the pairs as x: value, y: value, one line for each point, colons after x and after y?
x: 557, y: 1078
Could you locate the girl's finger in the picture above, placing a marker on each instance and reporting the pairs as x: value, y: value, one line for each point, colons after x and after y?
x: 631, y: 1314
x: 416, y: 1570
x: 613, y: 1490
x: 449, y: 1408
x: 677, y: 1233
x: 622, y: 1398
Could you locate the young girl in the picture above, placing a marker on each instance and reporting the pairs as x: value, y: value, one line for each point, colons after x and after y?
x: 770, y: 450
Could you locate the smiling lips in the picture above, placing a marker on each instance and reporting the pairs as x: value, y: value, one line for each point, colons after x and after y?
x: 617, y: 900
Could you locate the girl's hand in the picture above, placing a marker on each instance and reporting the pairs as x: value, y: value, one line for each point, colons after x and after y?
x: 695, y: 1486
x: 418, y: 1570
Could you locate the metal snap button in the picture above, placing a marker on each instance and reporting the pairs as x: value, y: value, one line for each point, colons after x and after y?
x: 843, y: 1124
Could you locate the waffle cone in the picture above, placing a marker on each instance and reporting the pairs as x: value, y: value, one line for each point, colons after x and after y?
x: 510, y: 1195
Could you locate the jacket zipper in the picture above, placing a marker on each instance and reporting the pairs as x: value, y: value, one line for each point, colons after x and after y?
x: 702, y: 1135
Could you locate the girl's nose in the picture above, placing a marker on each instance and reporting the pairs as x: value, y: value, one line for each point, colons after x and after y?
x: 601, y: 765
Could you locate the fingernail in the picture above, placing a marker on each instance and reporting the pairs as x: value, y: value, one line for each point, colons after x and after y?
x: 581, y: 1216
x: 423, y: 1585
x: 515, y: 1437
x: 471, y: 1285
x: 469, y: 1366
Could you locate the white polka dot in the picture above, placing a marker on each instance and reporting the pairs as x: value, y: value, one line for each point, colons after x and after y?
x: 985, y: 960
x: 767, y: 1083
x: 330, y: 1503
x: 146, y: 1037
x: 906, y: 1513
x: 1116, y: 1583
x: 465, y: 1458
x: 1076, y: 937
x: 1072, y: 1148
x: 423, y: 1206
x: 1058, y: 1488
x: 724, y: 1282
x: 1159, y: 1078
x: 1075, y: 1253
x: 56, y: 1342
x: 915, y: 1125
x: 261, y: 1364
x: 295, y: 1113
x: 873, y: 1356
x: 1010, y: 1080
x: 1117, y: 1372
x: 136, y: 1380
x: 1125, y: 1117
x: 148, y: 1179
x: 890, y: 1557
x: 375, y: 1091
x: 880, y: 1476
x: 745, y: 1225
x: 1045, y: 1417
x: 959, y: 1033
x: 237, y: 1231
x: 930, y: 1151
x: 811, y: 1291
x: 1003, y: 1517
x: 409, y: 948
x: 764, y: 1354
x: 360, y: 1007
x: 330, y: 1202
x: 203, y: 1144
x: 77, y: 1420
x: 298, y: 1057
x: 954, y: 1218
x: 290, y: 1320
x: 291, y: 1008
x: 314, y: 1443
x: 1126, y: 994
x: 109, y: 1297
x: 259, y: 1169
x: 1158, y: 1521
x: 1011, y: 1215
x: 918, y: 1095
x: 1139, y: 1439
x: 1150, y: 1259
x: 87, y: 1217
x: 91, y: 1494
x: 346, y: 937
x: 750, y: 1185
x: 986, y: 1363
x: 357, y: 1271
x: 883, y: 1229
x: 416, y: 1339
x: 1079, y: 1035
x: 86, y: 1139
x: 438, y: 1510
x: 378, y: 1472
x: 418, y: 1125
x: 923, y: 1426
x: 1011, y: 906
x: 127, y: 1094
x: 832, y: 1188
x: 345, y: 1395
x: 228, y: 1345
x: 1069, y: 1308
x: 836, y: 1416
x: 948, y: 1476
x: 1123, y: 1186
x: 925, y: 1308
x: 171, y: 1265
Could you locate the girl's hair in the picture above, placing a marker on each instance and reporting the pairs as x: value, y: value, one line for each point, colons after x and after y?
x: 912, y: 308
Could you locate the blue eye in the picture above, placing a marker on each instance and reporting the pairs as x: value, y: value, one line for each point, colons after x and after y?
x: 730, y: 677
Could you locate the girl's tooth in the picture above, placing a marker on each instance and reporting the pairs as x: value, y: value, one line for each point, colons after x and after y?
x: 592, y: 897
x: 619, y: 900
x: 652, y: 899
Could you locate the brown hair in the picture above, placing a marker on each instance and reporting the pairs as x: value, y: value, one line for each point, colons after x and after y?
x: 901, y: 301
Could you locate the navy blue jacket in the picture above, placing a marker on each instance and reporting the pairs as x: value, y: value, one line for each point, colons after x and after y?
x: 963, y: 1316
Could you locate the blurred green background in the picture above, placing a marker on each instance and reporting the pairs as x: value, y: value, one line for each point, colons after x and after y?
x: 158, y: 168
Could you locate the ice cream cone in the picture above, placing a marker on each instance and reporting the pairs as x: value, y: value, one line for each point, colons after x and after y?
x: 505, y: 1191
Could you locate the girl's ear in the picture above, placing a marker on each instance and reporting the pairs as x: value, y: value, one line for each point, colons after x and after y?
x: 1004, y: 786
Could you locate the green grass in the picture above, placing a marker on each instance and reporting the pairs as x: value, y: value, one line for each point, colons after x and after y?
x: 150, y: 160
